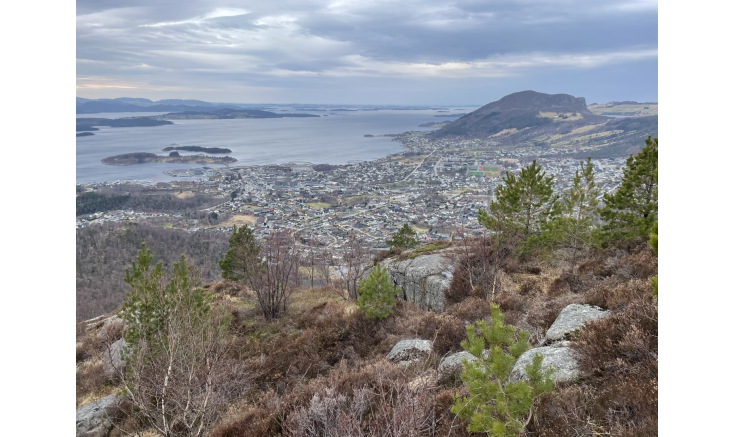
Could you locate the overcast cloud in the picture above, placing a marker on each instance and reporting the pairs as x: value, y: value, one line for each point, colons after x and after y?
x: 366, y: 51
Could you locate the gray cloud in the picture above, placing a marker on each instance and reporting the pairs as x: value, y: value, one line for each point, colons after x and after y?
x: 343, y: 51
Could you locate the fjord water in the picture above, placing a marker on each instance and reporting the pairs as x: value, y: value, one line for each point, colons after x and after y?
x: 334, y: 139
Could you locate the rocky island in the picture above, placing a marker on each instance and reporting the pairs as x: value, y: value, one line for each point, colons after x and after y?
x: 198, y: 149
x: 141, y: 157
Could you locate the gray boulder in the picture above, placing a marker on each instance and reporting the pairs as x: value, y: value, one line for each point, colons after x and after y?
x: 561, y: 359
x: 112, y: 361
x: 453, y: 363
x: 571, y: 319
x: 408, y: 351
x: 95, y: 419
x: 422, y: 280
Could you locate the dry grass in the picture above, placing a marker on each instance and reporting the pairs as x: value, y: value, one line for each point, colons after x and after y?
x: 239, y: 220
x: 185, y: 194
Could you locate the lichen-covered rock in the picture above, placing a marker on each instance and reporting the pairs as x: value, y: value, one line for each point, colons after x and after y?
x: 95, y: 419
x: 422, y: 280
x: 407, y: 351
x: 453, y: 363
x: 112, y: 362
x: 571, y: 318
x: 561, y: 359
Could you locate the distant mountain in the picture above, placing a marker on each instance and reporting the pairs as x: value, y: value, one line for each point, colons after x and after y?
x: 529, y: 111
x: 97, y: 106
x: 185, y: 102
x: 132, y: 104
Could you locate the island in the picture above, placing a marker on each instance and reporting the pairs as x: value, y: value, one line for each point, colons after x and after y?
x: 82, y: 127
x: 225, y: 114
x: 120, y: 122
x: 368, y: 136
x: 84, y: 134
x: 198, y: 149
x: 450, y: 115
x: 142, y: 157
x: 435, y: 124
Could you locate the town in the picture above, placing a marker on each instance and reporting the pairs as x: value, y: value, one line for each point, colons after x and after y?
x: 437, y: 187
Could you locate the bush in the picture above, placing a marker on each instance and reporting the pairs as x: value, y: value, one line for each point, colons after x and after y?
x: 377, y: 296
x: 493, y: 405
x: 620, y: 395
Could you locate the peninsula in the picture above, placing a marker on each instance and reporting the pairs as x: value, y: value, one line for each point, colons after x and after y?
x: 141, y: 157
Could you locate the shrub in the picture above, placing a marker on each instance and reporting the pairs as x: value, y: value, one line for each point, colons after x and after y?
x: 620, y: 395
x: 492, y: 405
x: 377, y: 296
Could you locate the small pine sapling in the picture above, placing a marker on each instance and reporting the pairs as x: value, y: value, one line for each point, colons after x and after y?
x: 494, y: 405
x: 377, y: 295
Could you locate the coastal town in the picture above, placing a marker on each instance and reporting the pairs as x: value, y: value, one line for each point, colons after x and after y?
x: 437, y: 187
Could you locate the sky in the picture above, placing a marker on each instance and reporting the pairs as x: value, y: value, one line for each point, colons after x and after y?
x: 429, y: 52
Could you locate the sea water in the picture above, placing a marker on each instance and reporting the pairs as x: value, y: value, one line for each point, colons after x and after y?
x: 334, y: 139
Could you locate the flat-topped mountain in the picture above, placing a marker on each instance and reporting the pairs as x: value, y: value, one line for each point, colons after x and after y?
x: 531, y: 111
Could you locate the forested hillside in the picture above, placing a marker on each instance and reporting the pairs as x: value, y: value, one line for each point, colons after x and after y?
x: 104, y: 252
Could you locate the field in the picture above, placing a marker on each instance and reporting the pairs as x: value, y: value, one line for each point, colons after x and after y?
x: 184, y: 195
x: 239, y: 220
x: 626, y: 109
x: 565, y: 116
x: 317, y: 205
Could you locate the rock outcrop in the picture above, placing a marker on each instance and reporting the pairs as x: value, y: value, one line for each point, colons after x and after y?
x: 571, y: 318
x: 561, y: 359
x: 422, y: 280
x: 112, y: 361
x: 95, y: 419
x: 407, y: 351
x: 453, y: 363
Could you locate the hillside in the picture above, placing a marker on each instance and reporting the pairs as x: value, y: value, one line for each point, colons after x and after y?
x: 559, y: 121
x: 534, y: 112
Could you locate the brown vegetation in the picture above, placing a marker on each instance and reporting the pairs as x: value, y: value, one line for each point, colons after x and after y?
x: 320, y: 367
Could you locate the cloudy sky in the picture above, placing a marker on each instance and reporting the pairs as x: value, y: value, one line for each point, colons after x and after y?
x: 366, y: 51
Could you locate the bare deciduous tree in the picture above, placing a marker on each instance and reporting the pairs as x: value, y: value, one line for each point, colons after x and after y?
x: 275, y: 273
x: 176, y: 375
x: 354, y: 262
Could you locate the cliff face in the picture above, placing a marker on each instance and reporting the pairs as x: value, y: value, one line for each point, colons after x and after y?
x: 528, y: 111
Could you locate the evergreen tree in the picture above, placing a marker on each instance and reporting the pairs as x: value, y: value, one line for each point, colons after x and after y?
x: 573, y: 223
x: 241, y: 258
x: 495, y: 406
x: 535, y: 197
x: 631, y: 211
x: 405, y: 238
x: 377, y: 296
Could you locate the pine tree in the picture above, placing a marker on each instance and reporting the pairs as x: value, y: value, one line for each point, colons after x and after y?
x: 495, y: 406
x: 377, y: 296
x: 535, y: 194
x: 573, y: 223
x: 631, y: 211
x: 405, y: 238
x: 242, y: 256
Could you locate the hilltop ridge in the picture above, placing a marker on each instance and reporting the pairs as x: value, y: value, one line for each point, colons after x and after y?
x: 530, y: 110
